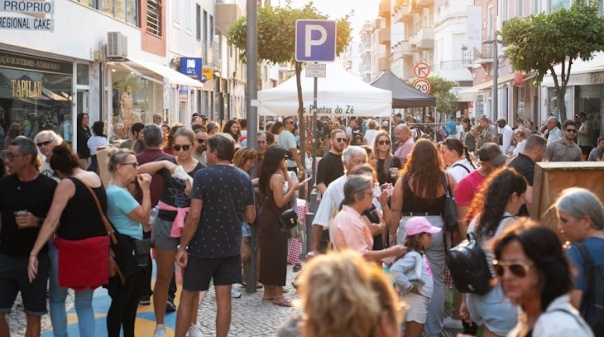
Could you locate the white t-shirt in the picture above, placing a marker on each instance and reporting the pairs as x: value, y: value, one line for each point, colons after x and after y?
x: 94, y: 142
x: 370, y: 136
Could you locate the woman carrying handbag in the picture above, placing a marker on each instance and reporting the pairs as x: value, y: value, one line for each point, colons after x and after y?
x: 76, y: 231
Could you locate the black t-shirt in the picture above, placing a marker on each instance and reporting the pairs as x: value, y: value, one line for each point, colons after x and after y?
x: 34, y: 196
x: 330, y: 168
x: 173, y: 192
x: 525, y: 166
x: 382, y: 176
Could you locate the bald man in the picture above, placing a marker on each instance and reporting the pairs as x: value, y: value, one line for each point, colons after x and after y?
x: 404, y: 141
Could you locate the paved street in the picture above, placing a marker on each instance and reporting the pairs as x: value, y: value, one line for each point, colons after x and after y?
x: 252, y: 317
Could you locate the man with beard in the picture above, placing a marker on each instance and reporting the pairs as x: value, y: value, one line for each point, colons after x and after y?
x: 330, y: 166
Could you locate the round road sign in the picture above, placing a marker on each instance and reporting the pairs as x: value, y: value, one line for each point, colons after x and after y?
x: 421, y: 70
x: 422, y: 85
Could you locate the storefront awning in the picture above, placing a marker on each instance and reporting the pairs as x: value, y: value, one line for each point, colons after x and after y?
x: 171, y: 76
x: 581, y: 72
x: 470, y: 94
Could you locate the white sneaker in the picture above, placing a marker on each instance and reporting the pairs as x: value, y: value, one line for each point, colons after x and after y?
x: 194, y: 331
x: 160, y: 331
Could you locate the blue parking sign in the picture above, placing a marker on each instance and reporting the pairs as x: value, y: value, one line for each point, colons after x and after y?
x: 315, y: 41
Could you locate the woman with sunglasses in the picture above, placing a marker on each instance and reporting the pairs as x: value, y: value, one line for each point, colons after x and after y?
x: 173, y: 207
x: 501, y: 198
x: 535, y: 275
x: 457, y: 158
x: 127, y: 215
x: 388, y: 165
x: 170, y: 140
x: 581, y: 221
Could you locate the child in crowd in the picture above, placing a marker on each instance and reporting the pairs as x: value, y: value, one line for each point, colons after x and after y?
x: 413, y: 275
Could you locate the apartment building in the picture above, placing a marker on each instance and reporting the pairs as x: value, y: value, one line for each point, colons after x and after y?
x: 118, y: 61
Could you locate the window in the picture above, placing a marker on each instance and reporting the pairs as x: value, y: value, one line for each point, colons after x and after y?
x: 154, y: 17
x: 176, y: 11
x: 520, y: 8
x: 535, y: 7
x: 205, y: 27
x: 198, y: 24
x: 189, y: 16
x: 211, y: 29
x: 505, y: 7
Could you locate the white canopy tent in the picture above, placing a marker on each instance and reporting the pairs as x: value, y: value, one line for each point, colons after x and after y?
x: 338, y: 94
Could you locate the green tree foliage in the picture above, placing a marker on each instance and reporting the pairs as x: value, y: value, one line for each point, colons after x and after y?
x: 539, y: 42
x: 277, y: 32
x: 276, y: 40
x: 440, y: 88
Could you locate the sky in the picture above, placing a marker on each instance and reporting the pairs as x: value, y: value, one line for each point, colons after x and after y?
x: 363, y: 9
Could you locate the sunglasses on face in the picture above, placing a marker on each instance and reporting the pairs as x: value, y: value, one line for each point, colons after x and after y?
x: 200, y: 141
x: 40, y: 144
x: 340, y: 140
x: 571, y: 130
x: 517, y: 268
x: 183, y: 147
x: 384, y: 142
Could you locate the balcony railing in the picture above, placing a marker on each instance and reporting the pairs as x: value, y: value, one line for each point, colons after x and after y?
x: 384, y: 35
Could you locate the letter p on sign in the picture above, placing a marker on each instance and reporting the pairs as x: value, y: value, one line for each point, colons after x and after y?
x: 315, y: 41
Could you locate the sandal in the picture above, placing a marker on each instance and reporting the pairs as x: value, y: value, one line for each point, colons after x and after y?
x: 282, y: 302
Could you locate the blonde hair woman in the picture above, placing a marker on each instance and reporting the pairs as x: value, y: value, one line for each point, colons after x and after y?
x: 344, y: 295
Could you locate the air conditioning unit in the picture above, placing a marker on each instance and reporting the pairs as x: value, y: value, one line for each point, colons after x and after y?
x: 117, y: 45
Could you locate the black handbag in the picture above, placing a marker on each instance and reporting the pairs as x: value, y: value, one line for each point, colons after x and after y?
x: 450, y: 214
x: 288, y: 220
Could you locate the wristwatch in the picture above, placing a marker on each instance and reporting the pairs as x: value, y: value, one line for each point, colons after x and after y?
x: 179, y: 247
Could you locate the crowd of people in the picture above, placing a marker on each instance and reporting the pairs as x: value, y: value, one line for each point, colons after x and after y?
x: 384, y: 187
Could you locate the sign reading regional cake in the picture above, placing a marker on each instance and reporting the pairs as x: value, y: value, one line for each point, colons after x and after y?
x: 315, y: 41
x: 27, y: 22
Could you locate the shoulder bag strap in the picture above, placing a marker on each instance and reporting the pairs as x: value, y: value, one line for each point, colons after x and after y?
x: 108, y: 227
x: 446, y: 185
x: 462, y: 166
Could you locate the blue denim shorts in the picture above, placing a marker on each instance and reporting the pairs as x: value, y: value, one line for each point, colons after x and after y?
x: 246, y: 230
x: 493, y: 310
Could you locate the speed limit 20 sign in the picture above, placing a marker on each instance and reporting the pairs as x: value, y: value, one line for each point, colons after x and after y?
x: 422, y: 85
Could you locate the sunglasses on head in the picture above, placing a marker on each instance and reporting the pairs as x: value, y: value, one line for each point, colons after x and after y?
x: 517, y: 268
x: 384, y: 142
x: 184, y: 147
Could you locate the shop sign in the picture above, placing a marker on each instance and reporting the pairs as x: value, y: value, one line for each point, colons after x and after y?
x: 29, y: 7
x: 191, y: 66
x: 208, y: 73
x: 183, y: 93
x: 26, y: 89
x: 31, y: 63
x: 41, y: 8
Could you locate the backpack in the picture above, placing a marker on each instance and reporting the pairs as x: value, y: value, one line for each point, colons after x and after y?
x: 468, y: 265
x: 592, y: 302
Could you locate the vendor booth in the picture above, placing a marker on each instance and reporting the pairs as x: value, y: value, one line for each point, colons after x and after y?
x: 339, y: 94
